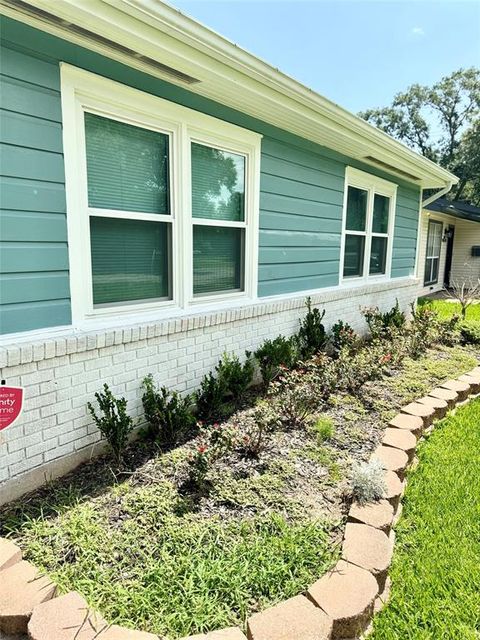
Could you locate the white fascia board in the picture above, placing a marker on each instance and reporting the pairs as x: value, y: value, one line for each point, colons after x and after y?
x: 235, y: 78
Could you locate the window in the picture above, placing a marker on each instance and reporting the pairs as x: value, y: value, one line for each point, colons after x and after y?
x: 434, y: 245
x: 368, y: 221
x: 128, y: 176
x: 218, y: 211
x: 162, y: 201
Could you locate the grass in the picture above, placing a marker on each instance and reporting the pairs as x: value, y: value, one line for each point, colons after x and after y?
x: 446, y: 309
x: 176, y: 574
x: 436, y: 566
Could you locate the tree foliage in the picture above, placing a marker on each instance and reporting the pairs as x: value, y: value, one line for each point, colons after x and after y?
x: 442, y: 123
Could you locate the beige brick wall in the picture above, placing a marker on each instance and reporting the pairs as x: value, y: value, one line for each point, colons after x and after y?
x: 60, y: 375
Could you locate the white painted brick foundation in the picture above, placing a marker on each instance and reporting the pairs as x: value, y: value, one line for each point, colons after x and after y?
x: 55, y: 432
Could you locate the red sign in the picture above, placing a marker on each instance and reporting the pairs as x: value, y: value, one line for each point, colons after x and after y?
x: 11, y: 404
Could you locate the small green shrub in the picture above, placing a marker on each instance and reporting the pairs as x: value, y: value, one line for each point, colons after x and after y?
x: 273, y: 355
x: 236, y: 376
x: 210, y: 398
x: 324, y: 428
x: 311, y: 336
x: 470, y: 331
x: 343, y: 337
x: 115, y: 424
x: 381, y: 324
x: 169, y: 416
x: 368, y: 481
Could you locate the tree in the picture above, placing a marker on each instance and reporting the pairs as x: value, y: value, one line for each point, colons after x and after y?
x: 442, y: 123
x: 467, y: 167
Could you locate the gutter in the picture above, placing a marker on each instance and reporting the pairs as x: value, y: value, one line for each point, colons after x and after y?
x: 437, y: 195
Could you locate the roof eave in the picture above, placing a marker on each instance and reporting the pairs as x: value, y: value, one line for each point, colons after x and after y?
x: 229, y: 74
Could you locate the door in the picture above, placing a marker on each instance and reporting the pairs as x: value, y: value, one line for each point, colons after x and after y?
x: 449, y: 256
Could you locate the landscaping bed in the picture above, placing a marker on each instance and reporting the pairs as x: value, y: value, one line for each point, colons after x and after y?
x: 436, y: 563
x: 249, y: 510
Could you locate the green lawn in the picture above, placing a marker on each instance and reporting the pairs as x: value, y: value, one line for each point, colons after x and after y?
x: 446, y: 309
x: 436, y: 567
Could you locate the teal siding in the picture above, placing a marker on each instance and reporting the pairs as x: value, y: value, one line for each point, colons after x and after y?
x: 301, y: 197
x: 406, y: 228
x: 300, y: 201
x: 34, y: 286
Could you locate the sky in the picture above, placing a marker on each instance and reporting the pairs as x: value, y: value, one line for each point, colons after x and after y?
x: 357, y: 53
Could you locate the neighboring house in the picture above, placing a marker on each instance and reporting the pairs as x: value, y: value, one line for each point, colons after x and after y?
x: 167, y: 196
x: 450, y: 245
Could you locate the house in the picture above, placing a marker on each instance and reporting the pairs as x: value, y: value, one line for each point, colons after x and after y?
x: 450, y: 245
x: 167, y: 196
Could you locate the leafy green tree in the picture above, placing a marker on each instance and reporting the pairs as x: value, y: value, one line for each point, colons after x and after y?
x: 467, y: 167
x: 442, y: 123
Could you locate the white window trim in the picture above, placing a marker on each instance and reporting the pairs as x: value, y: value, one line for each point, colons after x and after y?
x: 84, y: 91
x: 373, y: 185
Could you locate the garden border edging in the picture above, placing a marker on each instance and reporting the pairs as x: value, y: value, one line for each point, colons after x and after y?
x: 339, y: 606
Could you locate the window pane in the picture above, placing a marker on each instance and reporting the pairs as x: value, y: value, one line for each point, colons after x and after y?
x: 428, y: 271
x: 378, y: 255
x: 218, y: 184
x: 431, y: 270
x: 356, y: 209
x: 437, y: 239
x: 381, y: 206
x: 127, y: 167
x: 218, y: 259
x: 354, y: 252
x: 130, y: 259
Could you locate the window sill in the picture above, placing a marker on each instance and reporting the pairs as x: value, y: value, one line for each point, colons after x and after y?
x: 25, y: 347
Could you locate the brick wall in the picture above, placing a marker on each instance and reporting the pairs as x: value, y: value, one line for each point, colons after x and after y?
x: 61, y: 374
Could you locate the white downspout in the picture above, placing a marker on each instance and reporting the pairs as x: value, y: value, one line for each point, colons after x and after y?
x: 438, y: 194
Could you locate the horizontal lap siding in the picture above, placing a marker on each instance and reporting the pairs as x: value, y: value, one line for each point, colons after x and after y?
x: 34, y: 282
x: 405, y: 233
x: 301, y: 195
x: 300, y: 201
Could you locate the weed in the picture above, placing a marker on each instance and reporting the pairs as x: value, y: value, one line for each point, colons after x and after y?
x: 324, y: 428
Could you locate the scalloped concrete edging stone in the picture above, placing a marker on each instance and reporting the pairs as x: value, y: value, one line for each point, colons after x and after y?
x: 340, y: 605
